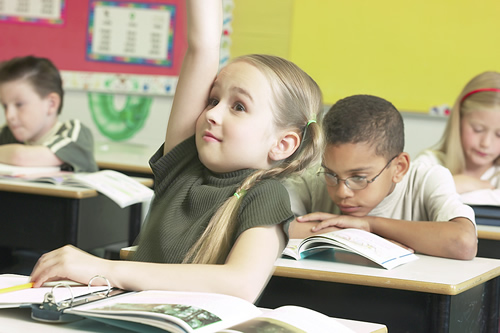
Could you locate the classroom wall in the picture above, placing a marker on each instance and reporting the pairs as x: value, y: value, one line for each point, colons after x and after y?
x: 417, y: 54
x: 284, y: 27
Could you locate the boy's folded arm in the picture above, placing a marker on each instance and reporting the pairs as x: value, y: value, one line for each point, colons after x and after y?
x: 455, y: 239
x: 28, y: 156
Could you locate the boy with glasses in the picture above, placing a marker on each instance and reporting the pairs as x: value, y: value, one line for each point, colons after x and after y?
x: 366, y: 182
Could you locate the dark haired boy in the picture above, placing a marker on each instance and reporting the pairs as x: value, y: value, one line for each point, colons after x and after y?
x: 31, y: 94
x: 366, y: 182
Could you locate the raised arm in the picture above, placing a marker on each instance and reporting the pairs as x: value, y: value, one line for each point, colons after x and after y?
x: 199, y: 69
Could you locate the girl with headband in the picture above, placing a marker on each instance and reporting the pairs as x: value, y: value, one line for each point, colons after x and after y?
x: 470, y: 145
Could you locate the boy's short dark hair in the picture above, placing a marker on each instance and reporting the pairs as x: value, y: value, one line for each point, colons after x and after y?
x: 40, y: 72
x: 368, y: 119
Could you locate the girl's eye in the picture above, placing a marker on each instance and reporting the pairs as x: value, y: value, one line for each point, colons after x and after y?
x: 239, y: 107
x: 477, y: 129
x: 18, y: 105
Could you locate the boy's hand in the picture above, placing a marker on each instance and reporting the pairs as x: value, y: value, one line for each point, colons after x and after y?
x: 327, y: 220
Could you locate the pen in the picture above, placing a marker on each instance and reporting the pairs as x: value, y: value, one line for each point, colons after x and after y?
x: 18, y: 287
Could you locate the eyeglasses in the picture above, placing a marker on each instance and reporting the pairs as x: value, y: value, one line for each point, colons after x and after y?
x: 353, y: 183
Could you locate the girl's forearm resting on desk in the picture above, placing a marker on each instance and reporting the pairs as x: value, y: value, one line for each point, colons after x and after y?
x: 244, y: 274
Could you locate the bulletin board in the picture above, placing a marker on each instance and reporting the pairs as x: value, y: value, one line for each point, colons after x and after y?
x: 417, y: 54
x: 69, y: 41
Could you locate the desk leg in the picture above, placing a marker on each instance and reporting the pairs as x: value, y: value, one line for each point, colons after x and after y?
x: 474, y: 310
x: 439, y: 313
x: 494, y: 292
x: 135, y: 222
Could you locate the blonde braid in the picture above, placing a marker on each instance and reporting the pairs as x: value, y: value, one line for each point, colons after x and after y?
x: 297, y: 101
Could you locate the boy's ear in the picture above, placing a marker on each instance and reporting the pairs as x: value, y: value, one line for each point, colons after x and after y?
x: 285, y: 147
x: 402, y: 166
x: 53, y: 100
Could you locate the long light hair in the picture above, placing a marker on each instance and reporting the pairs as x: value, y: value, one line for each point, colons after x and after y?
x: 296, y: 100
x: 449, y: 147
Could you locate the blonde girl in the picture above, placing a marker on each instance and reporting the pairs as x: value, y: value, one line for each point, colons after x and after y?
x: 470, y: 145
x: 215, y: 224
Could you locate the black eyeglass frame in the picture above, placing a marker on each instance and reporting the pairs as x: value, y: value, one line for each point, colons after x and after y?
x: 346, y: 181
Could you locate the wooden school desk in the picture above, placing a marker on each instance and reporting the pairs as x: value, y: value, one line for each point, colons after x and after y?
x: 40, y: 216
x: 488, y: 241
x: 19, y: 320
x: 488, y: 230
x: 130, y: 159
x: 427, y: 295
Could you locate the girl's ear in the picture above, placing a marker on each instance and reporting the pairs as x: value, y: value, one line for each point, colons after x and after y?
x: 402, y: 166
x: 53, y: 100
x: 285, y: 147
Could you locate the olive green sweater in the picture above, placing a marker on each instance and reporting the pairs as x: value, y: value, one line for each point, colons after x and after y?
x: 187, y: 195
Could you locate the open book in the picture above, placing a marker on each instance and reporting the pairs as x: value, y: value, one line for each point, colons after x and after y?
x: 18, y: 171
x: 120, y: 188
x: 169, y: 311
x: 202, y: 313
x: 353, y: 241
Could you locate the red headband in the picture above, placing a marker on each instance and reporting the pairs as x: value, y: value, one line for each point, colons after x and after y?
x: 476, y: 91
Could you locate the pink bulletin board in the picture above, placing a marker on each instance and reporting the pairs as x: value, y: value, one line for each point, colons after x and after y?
x: 66, y: 43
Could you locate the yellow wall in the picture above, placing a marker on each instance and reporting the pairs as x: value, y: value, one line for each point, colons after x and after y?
x: 417, y: 54
x: 262, y: 26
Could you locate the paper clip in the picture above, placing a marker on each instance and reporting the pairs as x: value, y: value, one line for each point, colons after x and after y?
x: 52, y: 311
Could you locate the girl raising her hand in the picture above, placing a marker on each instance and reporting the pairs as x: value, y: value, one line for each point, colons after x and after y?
x: 215, y: 221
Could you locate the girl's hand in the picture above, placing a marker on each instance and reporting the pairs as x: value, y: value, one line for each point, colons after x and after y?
x: 327, y: 220
x: 67, y: 263
x: 466, y: 183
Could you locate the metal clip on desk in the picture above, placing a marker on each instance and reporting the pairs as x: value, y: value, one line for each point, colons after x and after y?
x: 52, y: 311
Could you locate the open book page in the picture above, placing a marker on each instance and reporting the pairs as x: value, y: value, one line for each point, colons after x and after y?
x: 56, y: 178
x: 119, y: 187
x: 484, y: 197
x: 36, y: 295
x: 290, y: 319
x: 172, y: 311
x: 369, y: 245
x: 18, y: 171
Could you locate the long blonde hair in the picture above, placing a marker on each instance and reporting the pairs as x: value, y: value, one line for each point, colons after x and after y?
x: 450, y: 144
x: 297, y: 100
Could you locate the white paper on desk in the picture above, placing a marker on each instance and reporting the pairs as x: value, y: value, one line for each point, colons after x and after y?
x: 119, y: 187
x: 35, y: 295
x: 484, y: 197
